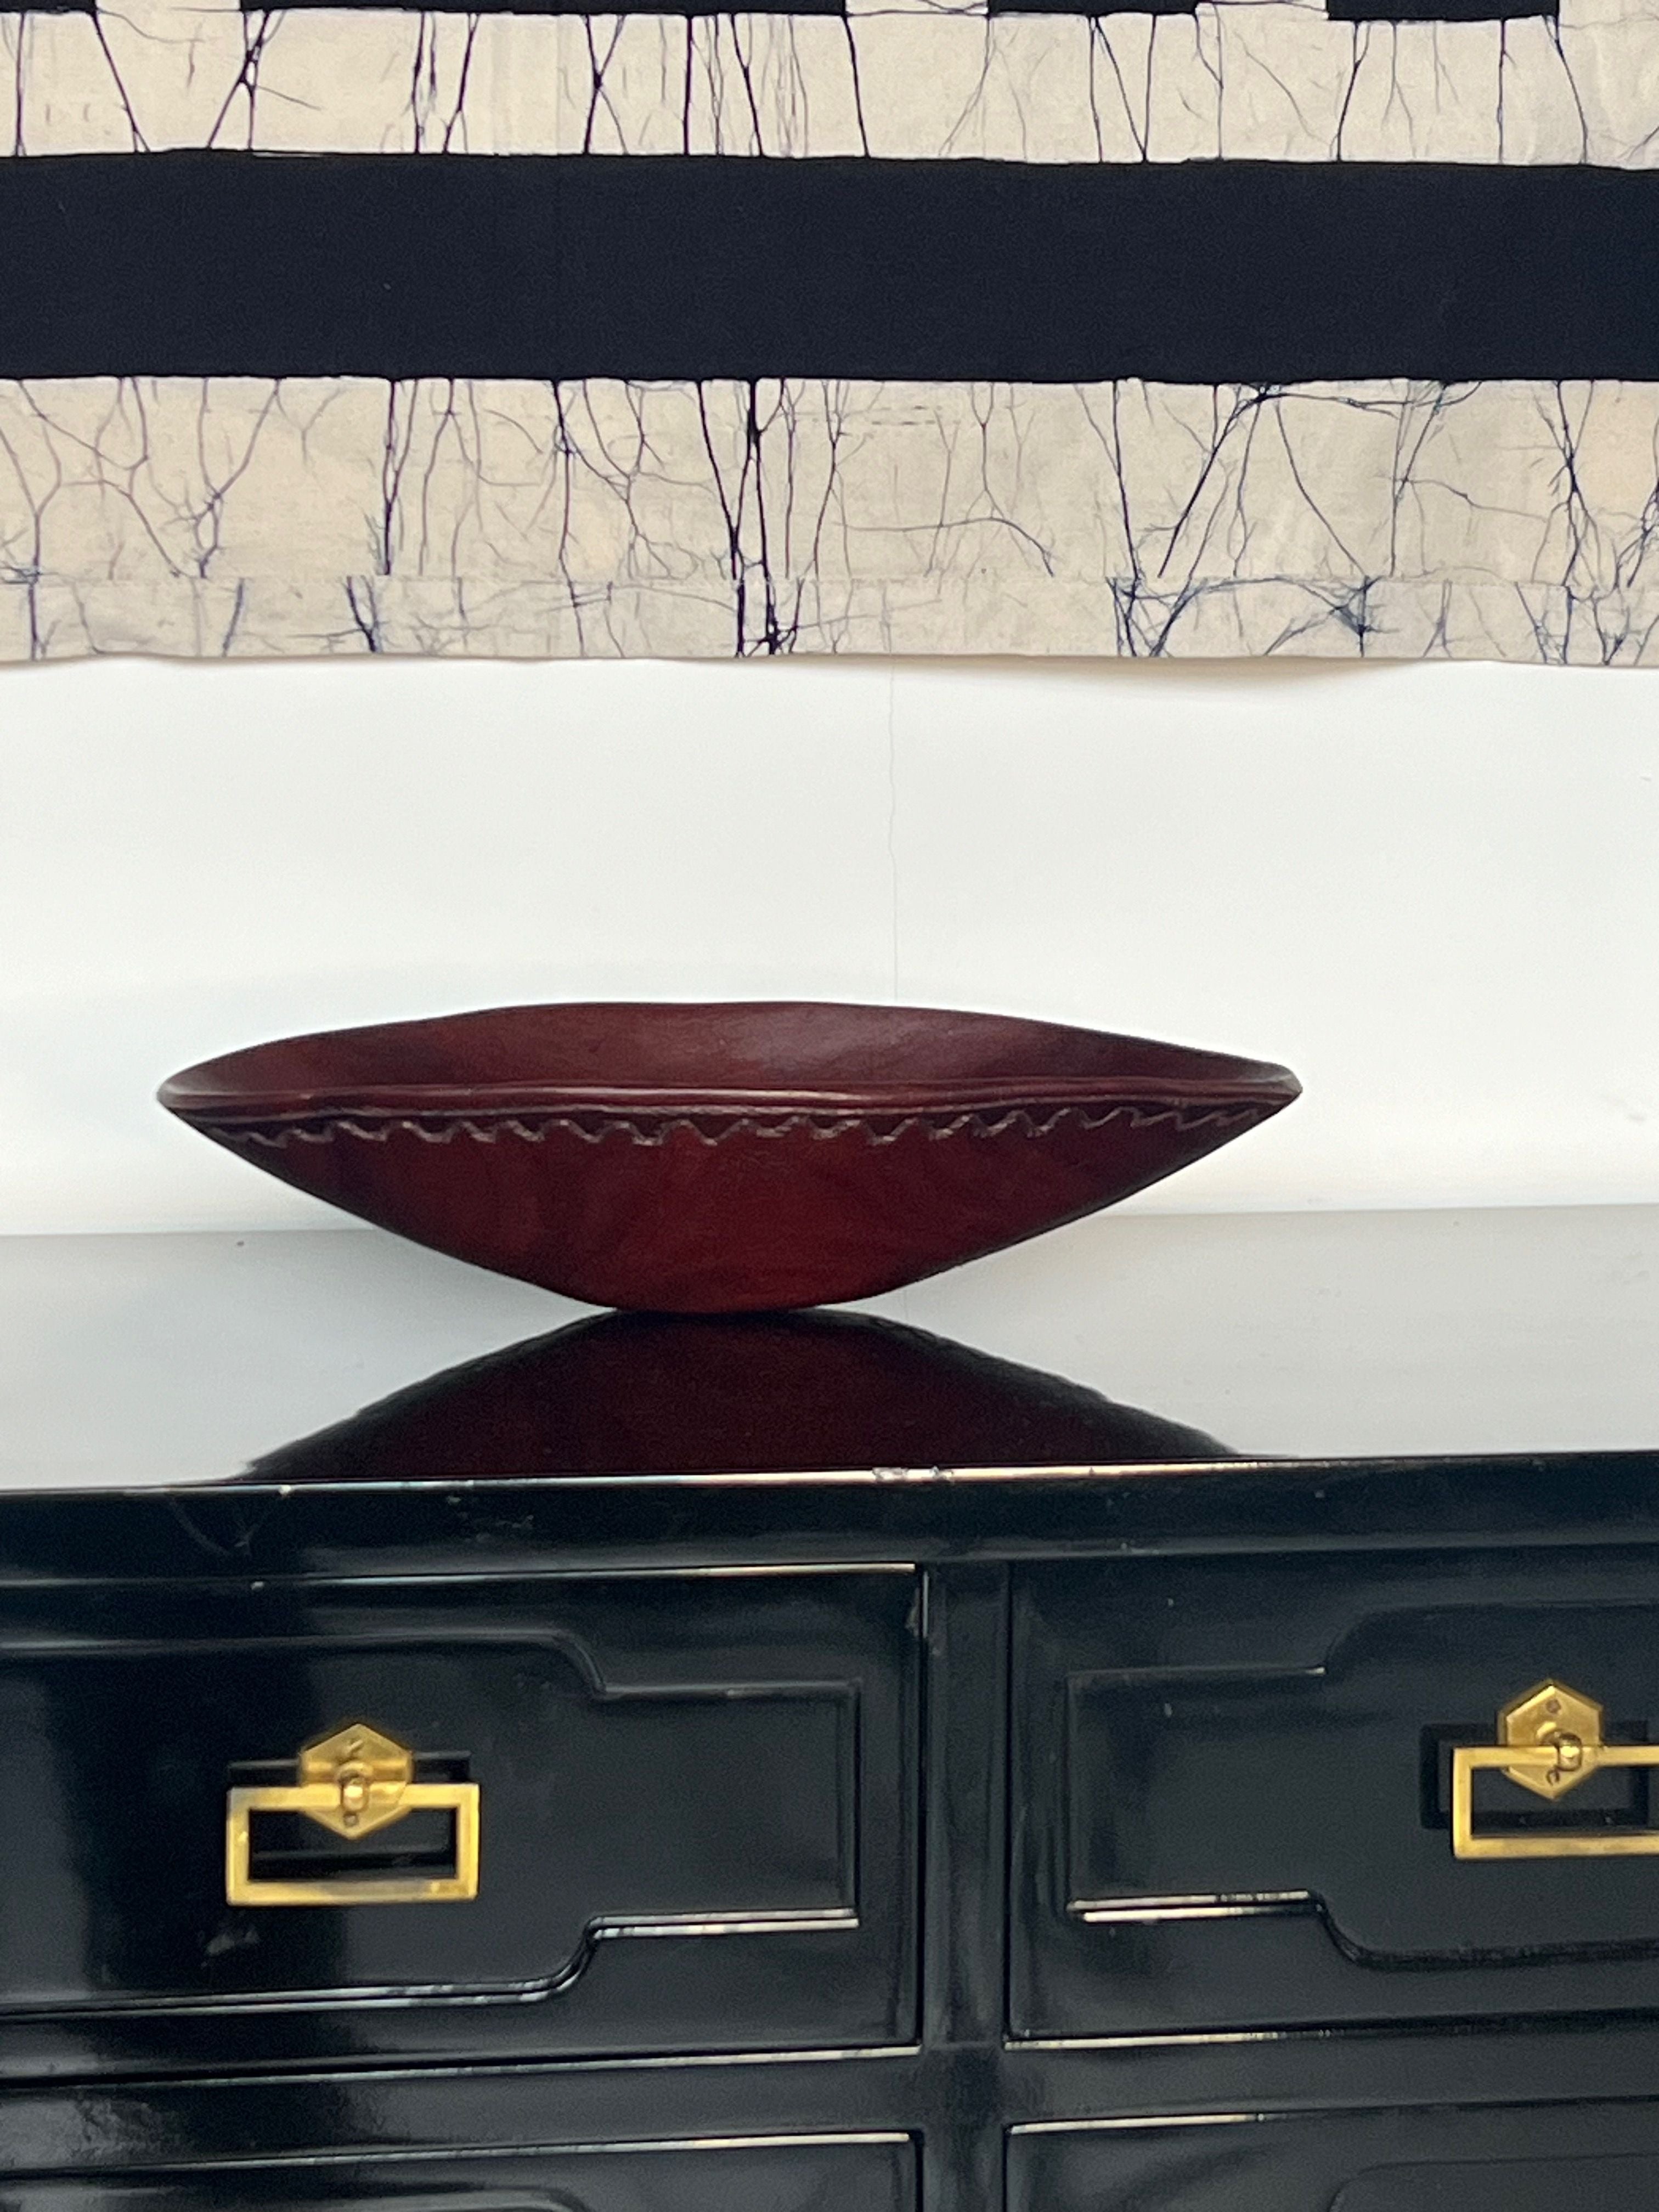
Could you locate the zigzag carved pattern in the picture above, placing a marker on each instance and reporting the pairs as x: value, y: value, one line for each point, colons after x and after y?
x: 598, y: 1128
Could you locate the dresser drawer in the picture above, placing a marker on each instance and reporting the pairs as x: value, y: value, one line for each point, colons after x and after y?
x: 1234, y: 1791
x: 875, y: 2173
x: 1538, y: 2158
x: 692, y: 1798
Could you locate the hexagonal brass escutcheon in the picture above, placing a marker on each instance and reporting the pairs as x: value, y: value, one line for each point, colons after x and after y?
x: 367, y: 1772
x: 1564, y: 1720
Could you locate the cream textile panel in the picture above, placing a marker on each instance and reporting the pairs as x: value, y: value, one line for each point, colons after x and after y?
x: 1497, y: 516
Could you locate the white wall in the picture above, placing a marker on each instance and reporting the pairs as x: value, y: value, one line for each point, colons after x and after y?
x: 1433, y: 890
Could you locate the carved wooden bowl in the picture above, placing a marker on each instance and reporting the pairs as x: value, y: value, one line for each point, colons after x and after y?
x: 725, y: 1157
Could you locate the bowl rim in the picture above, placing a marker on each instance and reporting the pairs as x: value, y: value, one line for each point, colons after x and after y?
x: 211, y: 1091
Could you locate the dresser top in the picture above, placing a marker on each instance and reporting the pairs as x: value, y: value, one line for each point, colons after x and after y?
x: 1133, y: 1340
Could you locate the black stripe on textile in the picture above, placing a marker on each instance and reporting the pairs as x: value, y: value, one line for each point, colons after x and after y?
x: 200, y: 264
x: 572, y: 6
x: 1436, y: 11
x: 1092, y: 7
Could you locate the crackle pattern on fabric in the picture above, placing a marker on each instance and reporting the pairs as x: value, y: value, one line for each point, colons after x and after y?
x: 1212, y: 327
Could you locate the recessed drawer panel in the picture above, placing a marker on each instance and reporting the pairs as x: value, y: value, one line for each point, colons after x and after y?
x: 1237, y: 1789
x: 685, y: 1802
x: 873, y: 2173
x: 1539, y: 2158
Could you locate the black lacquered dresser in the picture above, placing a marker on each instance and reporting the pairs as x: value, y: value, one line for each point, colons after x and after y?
x: 807, y: 1765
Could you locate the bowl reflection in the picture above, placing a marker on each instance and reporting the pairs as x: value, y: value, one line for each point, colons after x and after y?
x: 642, y: 1394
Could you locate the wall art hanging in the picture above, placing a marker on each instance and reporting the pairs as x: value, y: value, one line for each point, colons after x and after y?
x: 1199, y: 327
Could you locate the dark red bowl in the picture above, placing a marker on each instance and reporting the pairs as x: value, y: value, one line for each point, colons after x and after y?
x: 722, y: 1159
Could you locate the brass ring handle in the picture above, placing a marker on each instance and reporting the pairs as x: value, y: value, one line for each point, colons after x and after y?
x: 1553, y: 1742
x: 1607, y: 1843
x: 354, y: 1782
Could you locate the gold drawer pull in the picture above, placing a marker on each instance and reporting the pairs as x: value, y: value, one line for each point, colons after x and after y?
x: 354, y: 1783
x: 1552, y: 1741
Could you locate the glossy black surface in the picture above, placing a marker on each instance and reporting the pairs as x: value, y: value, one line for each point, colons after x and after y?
x: 922, y: 1835
x: 165, y: 1360
x: 1540, y: 2158
x: 1232, y: 1802
x: 698, y: 1822
x: 872, y: 2175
